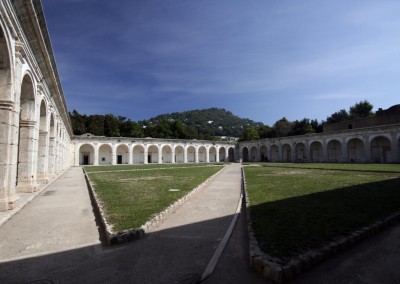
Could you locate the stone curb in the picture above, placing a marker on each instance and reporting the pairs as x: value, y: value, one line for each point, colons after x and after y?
x: 277, y: 271
x: 137, y: 233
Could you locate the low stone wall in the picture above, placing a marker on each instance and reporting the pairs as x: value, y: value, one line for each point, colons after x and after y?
x: 136, y: 233
x: 273, y: 268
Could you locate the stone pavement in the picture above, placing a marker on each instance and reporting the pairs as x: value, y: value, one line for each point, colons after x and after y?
x: 55, y: 239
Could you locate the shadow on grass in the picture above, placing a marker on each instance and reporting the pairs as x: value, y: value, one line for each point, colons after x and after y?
x: 293, y: 166
x: 290, y: 226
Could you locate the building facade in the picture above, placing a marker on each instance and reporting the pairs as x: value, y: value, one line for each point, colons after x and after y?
x: 35, y: 129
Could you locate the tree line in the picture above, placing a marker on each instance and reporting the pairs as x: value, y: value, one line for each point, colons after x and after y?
x: 207, y: 124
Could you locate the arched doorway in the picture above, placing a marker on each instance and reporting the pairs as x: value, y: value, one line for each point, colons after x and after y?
x: 26, y: 176
x: 191, y: 154
x: 286, y: 153
x: 122, y: 154
x: 166, y: 154
x: 355, y: 150
x: 316, y: 152
x: 105, y: 154
x: 138, y: 154
x: 231, y: 154
x: 254, y: 154
x: 179, y: 154
x: 263, y: 154
x: 222, y: 154
x: 202, y: 154
x: 245, y: 154
x: 380, y: 150
x: 152, y: 154
x: 334, y: 151
x: 86, y: 154
x: 212, y: 154
x: 300, y: 152
x: 42, y: 164
x: 274, y: 153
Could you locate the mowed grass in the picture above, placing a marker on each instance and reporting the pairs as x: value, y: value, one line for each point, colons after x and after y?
x: 297, y: 207
x: 89, y: 169
x: 131, y: 198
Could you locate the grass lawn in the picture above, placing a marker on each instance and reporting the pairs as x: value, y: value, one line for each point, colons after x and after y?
x: 89, y: 169
x: 296, y: 207
x: 131, y: 198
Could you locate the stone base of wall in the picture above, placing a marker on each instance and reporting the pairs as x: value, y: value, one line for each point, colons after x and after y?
x: 278, y: 271
x: 136, y: 233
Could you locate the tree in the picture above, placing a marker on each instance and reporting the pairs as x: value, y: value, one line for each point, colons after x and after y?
x: 340, y: 115
x: 111, y: 125
x: 129, y: 128
x: 95, y: 125
x: 301, y: 127
x: 249, y: 133
x: 78, y: 122
x: 361, y: 109
x: 266, y: 131
x: 282, y: 127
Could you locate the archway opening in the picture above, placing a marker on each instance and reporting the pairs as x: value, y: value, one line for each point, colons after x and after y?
x: 263, y: 154
x: 316, y: 152
x: 245, y: 154
x: 274, y: 153
x: 381, y: 150
x: 152, y: 154
x: 138, y: 154
x: 300, y: 152
x: 5, y: 70
x: 122, y: 154
x: 26, y: 177
x: 355, y: 151
x: 231, y: 154
x: 166, y: 154
x: 222, y: 154
x: 179, y: 154
x: 202, y: 154
x: 334, y: 151
x: 86, y: 154
x: 191, y: 154
x: 105, y: 154
x: 212, y: 154
x: 286, y: 153
x: 42, y: 163
x: 253, y: 154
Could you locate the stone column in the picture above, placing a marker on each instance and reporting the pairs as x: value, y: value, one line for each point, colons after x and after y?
x: 292, y: 153
x: 173, y: 158
x: 324, y: 151
x: 26, y: 157
x: 216, y: 154
x: 96, y: 154
x: 367, y: 149
x: 280, y: 158
x: 130, y: 153
x: 207, y: 154
x: 345, y: 154
x: 196, y: 154
x: 8, y: 153
x: 43, y: 151
x: 185, y: 155
x: 145, y: 153
x: 160, y: 154
x: 394, y: 149
x: 113, y: 154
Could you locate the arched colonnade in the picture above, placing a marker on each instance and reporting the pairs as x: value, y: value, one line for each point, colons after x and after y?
x: 111, y: 153
x: 367, y: 148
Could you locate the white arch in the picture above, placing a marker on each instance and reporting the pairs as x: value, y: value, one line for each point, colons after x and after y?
x: 86, y: 154
x: 122, y: 154
x: 179, y: 154
x: 166, y: 151
x: 105, y: 154
x: 138, y: 154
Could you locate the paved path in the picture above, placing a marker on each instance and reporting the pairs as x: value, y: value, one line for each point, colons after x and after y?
x: 48, y: 238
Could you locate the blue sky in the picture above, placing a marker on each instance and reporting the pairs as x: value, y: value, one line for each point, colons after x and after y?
x: 260, y: 59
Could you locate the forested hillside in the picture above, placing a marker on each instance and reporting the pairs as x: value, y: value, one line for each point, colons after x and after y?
x: 208, y: 124
x: 196, y: 124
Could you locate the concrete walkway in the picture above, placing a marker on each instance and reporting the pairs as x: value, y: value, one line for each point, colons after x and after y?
x: 55, y: 238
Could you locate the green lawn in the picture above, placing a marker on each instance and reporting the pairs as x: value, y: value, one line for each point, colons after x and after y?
x: 131, y: 198
x: 142, y: 166
x: 296, y: 207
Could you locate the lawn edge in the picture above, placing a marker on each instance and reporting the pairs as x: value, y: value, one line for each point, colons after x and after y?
x: 113, y: 237
x: 271, y: 268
